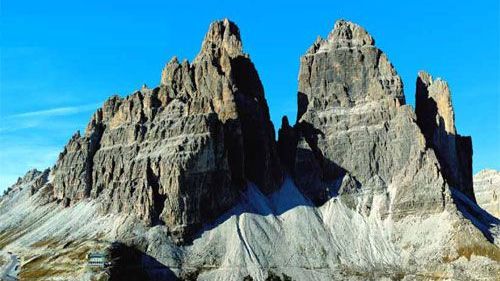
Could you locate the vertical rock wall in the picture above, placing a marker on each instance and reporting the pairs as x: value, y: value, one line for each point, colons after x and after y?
x: 181, y: 153
x: 436, y: 118
x: 355, y: 134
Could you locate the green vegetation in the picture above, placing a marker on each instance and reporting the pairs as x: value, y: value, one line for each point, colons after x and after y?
x: 486, y: 250
x: 41, y: 273
x: 80, y: 252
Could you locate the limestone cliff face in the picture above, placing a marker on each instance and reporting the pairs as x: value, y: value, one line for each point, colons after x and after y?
x: 487, y: 190
x: 436, y: 118
x: 181, y: 153
x: 355, y: 134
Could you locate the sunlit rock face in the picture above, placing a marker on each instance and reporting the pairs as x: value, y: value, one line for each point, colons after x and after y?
x: 178, y: 154
x: 355, y: 133
x: 436, y: 118
x: 487, y: 190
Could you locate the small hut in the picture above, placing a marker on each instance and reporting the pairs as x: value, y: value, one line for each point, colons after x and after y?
x: 97, y: 259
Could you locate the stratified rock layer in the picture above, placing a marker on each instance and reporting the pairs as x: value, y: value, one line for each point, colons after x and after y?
x: 487, y: 191
x: 355, y: 133
x: 181, y: 153
x: 436, y: 118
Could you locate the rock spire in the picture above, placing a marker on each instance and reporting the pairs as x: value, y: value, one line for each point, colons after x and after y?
x: 436, y: 119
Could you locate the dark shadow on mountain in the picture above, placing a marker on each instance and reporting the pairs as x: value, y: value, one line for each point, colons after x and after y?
x: 287, y: 145
x: 131, y: 264
x: 453, y: 151
x: 318, y: 180
x: 302, y: 103
x: 454, y: 154
x: 261, y: 165
x: 318, y: 177
x: 480, y: 218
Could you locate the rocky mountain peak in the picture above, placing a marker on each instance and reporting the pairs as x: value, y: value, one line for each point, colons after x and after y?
x: 29, y: 176
x: 345, y: 34
x: 349, y: 34
x: 358, y: 72
x: 34, y: 179
x: 436, y: 92
x: 354, y: 133
x: 181, y: 153
x: 222, y: 36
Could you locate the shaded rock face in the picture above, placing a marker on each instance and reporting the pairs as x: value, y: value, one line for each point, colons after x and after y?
x: 287, y: 145
x: 354, y: 132
x: 181, y: 153
x: 487, y: 191
x: 436, y: 118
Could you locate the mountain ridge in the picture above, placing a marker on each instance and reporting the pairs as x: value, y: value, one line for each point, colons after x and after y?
x: 189, y: 177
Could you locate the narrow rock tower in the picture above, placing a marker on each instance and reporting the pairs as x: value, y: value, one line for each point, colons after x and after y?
x: 436, y: 119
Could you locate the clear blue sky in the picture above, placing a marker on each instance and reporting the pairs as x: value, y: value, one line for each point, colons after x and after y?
x: 59, y: 60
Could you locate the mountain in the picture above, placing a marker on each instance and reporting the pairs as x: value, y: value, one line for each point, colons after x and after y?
x: 186, y: 181
x: 179, y: 154
x: 487, y: 189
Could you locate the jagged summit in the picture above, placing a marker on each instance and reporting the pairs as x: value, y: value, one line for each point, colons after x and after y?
x: 359, y: 71
x: 355, y: 133
x: 345, y: 34
x: 222, y: 36
x: 438, y: 91
x: 30, y: 175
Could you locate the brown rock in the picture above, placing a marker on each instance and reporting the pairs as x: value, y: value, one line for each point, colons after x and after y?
x: 181, y: 153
